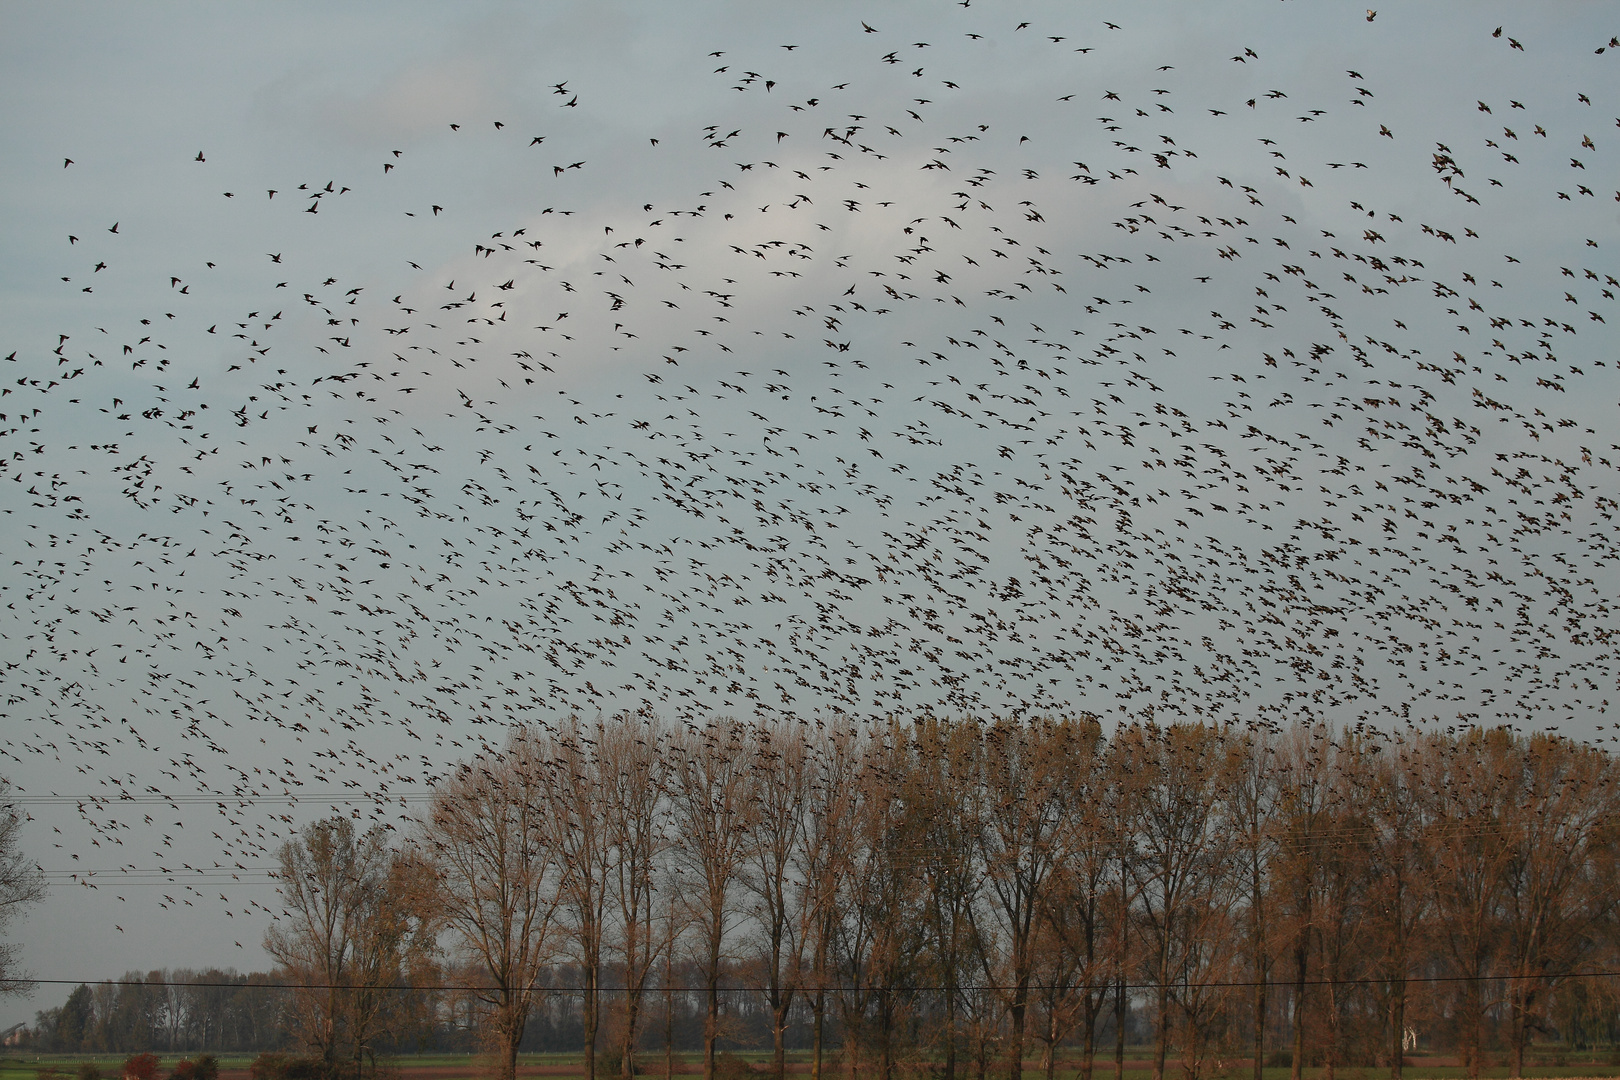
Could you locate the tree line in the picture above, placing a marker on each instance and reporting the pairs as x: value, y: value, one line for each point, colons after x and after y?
x: 182, y: 1010
x: 187, y: 1012
x: 975, y: 893
x: 969, y: 895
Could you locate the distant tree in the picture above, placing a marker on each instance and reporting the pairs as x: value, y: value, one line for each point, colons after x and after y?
x: 131, y: 1023
x: 75, y: 1024
x: 21, y: 885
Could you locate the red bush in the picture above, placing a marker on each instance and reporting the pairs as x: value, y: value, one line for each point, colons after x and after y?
x: 141, y: 1067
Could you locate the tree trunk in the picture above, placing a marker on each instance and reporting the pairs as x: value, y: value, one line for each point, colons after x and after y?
x: 1088, y: 1042
x: 509, y: 1054
x: 1471, y: 996
x: 1020, y: 1008
x: 885, y: 1036
x: 711, y: 1020
x: 1301, y: 961
x: 1397, y: 1023
x: 1331, y: 1054
x: 1119, y: 1027
x: 627, y: 1048
x: 669, y: 994
x: 1161, y: 1043
x: 1257, y: 935
x: 590, y: 1018
x: 1051, y: 1042
x: 1519, y: 999
x: 669, y: 1024
x: 818, y: 1013
x: 1518, y: 1047
x: 779, y: 1039
x: 1260, y: 1026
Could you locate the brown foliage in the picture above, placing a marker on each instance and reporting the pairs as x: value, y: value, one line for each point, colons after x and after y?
x: 952, y: 890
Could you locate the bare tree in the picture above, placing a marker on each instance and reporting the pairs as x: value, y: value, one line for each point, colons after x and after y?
x: 824, y: 864
x: 495, y: 873
x: 780, y: 777
x: 1058, y: 992
x: 1119, y: 815
x: 972, y: 886
x: 671, y: 929
x: 714, y: 817
x: 1397, y: 822
x: 1078, y: 907
x: 1024, y: 798
x: 877, y: 937
x: 1344, y: 866
x: 1251, y: 810
x: 1304, y: 780
x: 1554, y: 805
x: 576, y: 792
x: 1178, y: 775
x: 634, y: 812
x: 21, y: 886
x: 1466, y: 861
x: 341, y: 940
x: 941, y: 797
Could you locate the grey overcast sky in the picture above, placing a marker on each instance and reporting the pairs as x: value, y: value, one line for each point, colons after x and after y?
x: 381, y: 375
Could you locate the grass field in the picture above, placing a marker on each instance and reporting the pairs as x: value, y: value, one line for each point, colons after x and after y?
x: 464, y: 1067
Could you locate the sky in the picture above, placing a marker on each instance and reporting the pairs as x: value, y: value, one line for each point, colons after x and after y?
x: 384, y: 375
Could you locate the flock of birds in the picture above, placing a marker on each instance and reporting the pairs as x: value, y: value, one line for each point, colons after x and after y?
x: 1168, y: 397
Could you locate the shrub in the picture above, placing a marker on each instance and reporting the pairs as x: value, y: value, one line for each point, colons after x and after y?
x: 206, y: 1067
x: 731, y: 1067
x: 273, y: 1066
x: 89, y: 1070
x: 141, y: 1066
